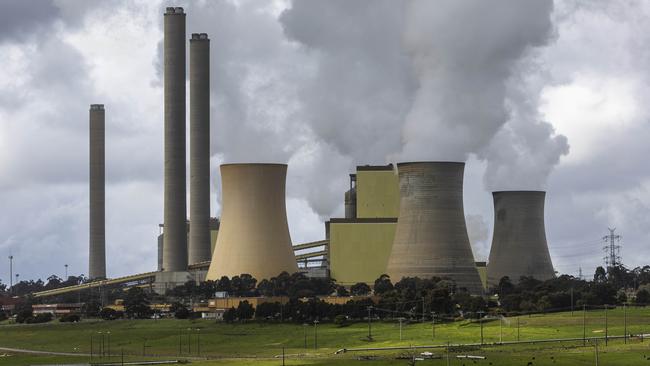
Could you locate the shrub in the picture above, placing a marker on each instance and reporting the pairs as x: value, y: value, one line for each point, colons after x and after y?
x: 109, y: 314
x: 69, y: 318
x: 23, y: 315
x: 180, y: 311
x: 230, y: 315
x: 39, y: 318
x: 642, y: 297
x: 341, y: 320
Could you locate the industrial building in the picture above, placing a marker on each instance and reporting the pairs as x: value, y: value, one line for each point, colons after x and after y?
x: 360, y: 243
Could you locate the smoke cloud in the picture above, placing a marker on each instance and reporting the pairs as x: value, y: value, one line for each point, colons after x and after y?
x: 428, y: 80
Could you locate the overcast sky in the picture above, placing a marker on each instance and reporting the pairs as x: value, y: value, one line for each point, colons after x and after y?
x: 532, y: 94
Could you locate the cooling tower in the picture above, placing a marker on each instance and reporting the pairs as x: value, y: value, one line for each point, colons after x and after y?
x: 519, y: 241
x: 175, y: 205
x: 97, y: 250
x: 254, y: 234
x: 431, y: 237
x: 199, y: 244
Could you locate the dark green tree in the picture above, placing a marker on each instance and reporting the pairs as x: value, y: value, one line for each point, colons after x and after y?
x: 136, y: 304
x: 360, y: 289
x: 245, y: 310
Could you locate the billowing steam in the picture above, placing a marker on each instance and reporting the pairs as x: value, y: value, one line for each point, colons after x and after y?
x: 428, y: 80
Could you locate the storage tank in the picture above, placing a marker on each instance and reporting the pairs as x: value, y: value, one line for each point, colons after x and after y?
x: 431, y: 237
x: 254, y: 234
x: 519, y: 245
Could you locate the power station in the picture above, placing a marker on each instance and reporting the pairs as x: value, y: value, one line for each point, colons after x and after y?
x: 404, y: 220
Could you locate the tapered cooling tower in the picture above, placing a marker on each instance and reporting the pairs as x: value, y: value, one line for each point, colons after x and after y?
x: 519, y: 241
x: 199, y: 245
x: 97, y: 250
x: 254, y: 234
x: 175, y: 206
x: 431, y: 237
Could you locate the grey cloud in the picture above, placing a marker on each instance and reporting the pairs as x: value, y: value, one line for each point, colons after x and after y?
x: 20, y: 20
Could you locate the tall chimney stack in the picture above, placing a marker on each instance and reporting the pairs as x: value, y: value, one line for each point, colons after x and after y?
x: 199, y: 246
x: 175, y: 205
x: 97, y: 250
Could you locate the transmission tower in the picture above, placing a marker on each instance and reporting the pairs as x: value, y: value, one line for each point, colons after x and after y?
x: 580, y: 273
x: 612, y: 249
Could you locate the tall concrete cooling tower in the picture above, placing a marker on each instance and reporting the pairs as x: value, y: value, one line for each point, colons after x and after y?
x: 519, y: 241
x: 254, y: 234
x: 431, y: 237
x: 200, y: 243
x: 175, y: 205
x: 97, y: 250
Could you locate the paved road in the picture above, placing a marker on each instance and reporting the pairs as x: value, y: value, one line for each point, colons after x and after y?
x: 35, y: 352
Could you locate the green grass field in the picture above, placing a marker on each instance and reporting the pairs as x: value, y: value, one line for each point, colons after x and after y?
x: 258, y: 343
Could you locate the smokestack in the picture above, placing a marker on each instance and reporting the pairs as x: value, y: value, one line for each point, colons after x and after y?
x: 431, y: 237
x: 175, y: 206
x: 97, y: 250
x: 199, y: 246
x: 254, y: 234
x: 519, y: 245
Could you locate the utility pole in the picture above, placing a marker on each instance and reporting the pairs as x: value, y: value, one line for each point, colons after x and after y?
x: 480, y: 320
x: 11, y: 273
x: 596, y: 346
x: 304, y: 333
x: 612, y: 249
x: 400, y: 327
x: 369, y: 323
x: 66, y: 272
x: 433, y: 325
x: 584, y: 325
x: 423, y: 319
x: 625, y: 323
x: 448, y: 353
x: 501, y: 329
x: 517, y: 328
x: 315, y: 334
x: 606, y: 325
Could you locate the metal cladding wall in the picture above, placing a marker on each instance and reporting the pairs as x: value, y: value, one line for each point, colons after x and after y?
x: 519, y: 245
x: 97, y: 250
x: 199, y: 244
x: 175, y: 205
x: 254, y: 234
x: 431, y: 237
